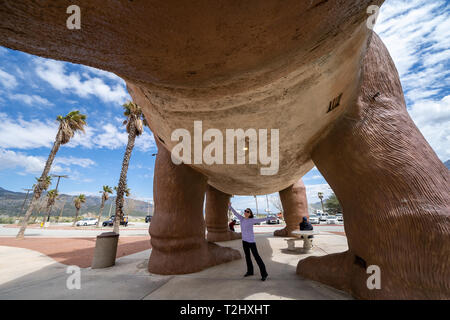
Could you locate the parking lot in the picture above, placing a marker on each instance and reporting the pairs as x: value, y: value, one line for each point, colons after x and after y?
x: 133, y: 229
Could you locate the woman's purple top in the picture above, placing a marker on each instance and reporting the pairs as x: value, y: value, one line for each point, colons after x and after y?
x: 247, y: 225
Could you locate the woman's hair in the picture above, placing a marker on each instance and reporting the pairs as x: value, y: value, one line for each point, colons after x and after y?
x: 251, y: 212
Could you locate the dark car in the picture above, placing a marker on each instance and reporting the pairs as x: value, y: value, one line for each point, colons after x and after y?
x: 148, y: 219
x: 110, y: 222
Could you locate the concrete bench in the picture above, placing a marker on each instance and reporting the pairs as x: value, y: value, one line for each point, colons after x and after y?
x: 301, y: 235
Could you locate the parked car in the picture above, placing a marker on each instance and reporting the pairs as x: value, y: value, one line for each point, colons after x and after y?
x: 110, y: 222
x: 323, y: 217
x: 313, y: 219
x: 332, y: 220
x: 273, y: 221
x: 340, y: 217
x: 148, y: 219
x: 87, y: 222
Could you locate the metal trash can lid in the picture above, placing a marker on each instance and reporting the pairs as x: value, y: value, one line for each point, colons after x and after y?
x: 107, y: 235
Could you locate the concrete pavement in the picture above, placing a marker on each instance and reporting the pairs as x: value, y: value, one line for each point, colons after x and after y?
x: 27, y: 274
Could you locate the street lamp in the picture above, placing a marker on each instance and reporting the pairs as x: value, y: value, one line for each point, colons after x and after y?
x: 267, y: 204
x: 320, y: 195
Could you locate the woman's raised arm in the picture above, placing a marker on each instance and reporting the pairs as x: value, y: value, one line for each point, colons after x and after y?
x: 237, y: 215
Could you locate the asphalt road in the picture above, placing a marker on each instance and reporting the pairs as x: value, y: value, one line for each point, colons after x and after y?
x: 133, y: 229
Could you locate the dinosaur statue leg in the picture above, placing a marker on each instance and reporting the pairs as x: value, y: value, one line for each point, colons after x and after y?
x: 217, y: 216
x: 395, y: 194
x: 295, y: 206
x: 178, y: 228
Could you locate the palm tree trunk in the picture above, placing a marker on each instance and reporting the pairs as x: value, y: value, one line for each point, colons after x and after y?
x: 35, y: 216
x: 39, y: 186
x: 76, y: 217
x: 101, y: 211
x: 46, y: 217
x: 49, y: 212
x: 123, y: 178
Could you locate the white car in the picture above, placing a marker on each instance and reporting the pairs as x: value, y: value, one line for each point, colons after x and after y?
x: 332, y: 220
x: 313, y: 219
x: 273, y: 221
x: 323, y: 217
x: 87, y: 222
x: 340, y: 217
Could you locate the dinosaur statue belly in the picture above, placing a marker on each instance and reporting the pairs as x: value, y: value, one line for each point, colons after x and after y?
x: 302, y: 105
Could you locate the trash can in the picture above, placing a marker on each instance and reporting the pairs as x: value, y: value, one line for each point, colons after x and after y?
x: 105, y: 250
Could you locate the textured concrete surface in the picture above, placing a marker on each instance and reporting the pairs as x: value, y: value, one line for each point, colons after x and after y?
x: 27, y: 274
x: 75, y: 251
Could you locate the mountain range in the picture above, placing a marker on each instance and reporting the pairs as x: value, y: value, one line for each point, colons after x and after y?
x: 11, y: 203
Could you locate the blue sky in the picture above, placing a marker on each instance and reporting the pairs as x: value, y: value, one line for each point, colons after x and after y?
x: 33, y: 91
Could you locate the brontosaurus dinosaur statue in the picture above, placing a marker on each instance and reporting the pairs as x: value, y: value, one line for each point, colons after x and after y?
x: 314, y: 71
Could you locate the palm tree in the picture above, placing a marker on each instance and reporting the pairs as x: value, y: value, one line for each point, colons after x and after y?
x: 135, y: 127
x: 127, y: 193
x: 105, y: 195
x: 74, y: 121
x: 51, y: 198
x: 78, y: 201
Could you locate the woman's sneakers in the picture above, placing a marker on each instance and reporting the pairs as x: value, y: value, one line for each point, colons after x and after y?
x: 248, y: 274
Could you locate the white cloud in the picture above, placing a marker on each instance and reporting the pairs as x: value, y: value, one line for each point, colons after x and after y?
x: 7, y: 80
x: 317, y: 176
x: 86, y: 193
x: 30, y: 100
x: 433, y: 119
x: 83, y: 85
x: 83, y: 139
x: 417, y: 35
x: 68, y: 161
x: 145, y: 142
x: 21, y: 134
x: 31, y: 164
x: 35, y: 164
x: 313, y: 189
x: 111, y: 137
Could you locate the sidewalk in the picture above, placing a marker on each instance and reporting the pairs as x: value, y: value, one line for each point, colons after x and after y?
x: 28, y: 274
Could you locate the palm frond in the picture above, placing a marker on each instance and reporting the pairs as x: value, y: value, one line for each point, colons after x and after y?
x: 72, y: 122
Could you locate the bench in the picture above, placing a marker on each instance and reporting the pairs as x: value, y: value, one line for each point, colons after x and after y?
x: 301, y: 235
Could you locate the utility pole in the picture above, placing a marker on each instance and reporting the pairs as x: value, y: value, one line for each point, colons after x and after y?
x: 60, y: 214
x: 110, y: 208
x: 26, y: 198
x: 256, y: 201
x: 267, y: 204
x: 59, y: 177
